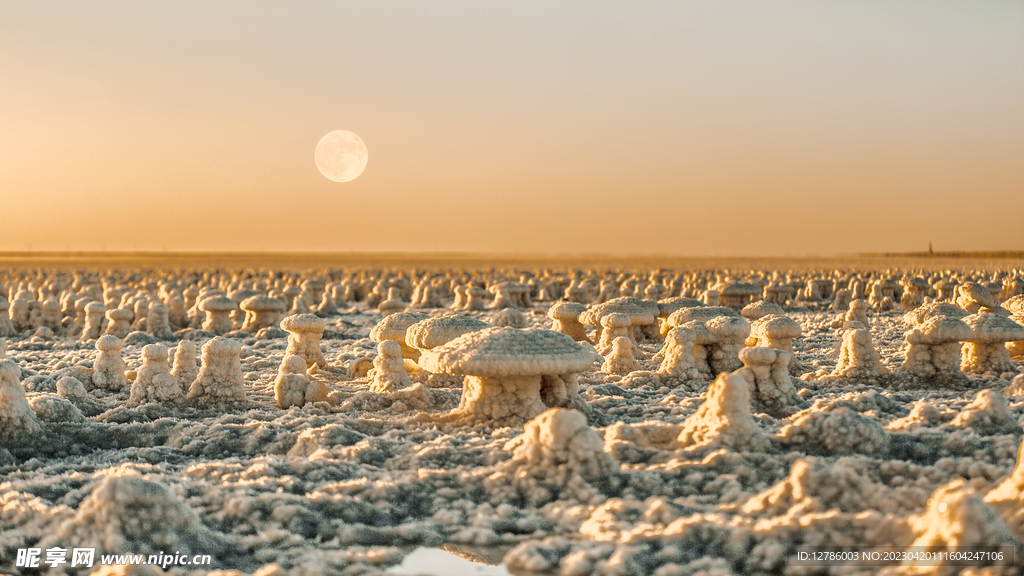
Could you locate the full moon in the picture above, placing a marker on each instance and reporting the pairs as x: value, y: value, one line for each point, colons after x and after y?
x: 341, y: 156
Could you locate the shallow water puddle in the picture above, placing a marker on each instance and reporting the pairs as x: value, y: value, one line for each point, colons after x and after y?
x: 438, y: 562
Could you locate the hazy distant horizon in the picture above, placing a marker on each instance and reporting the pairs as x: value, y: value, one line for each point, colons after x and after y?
x: 688, y: 128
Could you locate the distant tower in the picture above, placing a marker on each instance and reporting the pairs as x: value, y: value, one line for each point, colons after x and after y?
x: 930, y: 251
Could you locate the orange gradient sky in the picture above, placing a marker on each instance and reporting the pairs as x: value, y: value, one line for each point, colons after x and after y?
x: 686, y: 128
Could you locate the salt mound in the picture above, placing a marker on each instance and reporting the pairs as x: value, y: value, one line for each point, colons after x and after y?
x: 109, y: 367
x: 816, y: 486
x: 1008, y: 497
x: 70, y: 387
x: 557, y: 452
x: 620, y: 359
x: 130, y: 514
x: 561, y: 437
x: 55, y: 409
x: 220, y: 378
x: 933, y: 354
x: 1016, y: 387
x: 154, y: 382
x: 767, y: 373
x: 835, y: 433
x: 988, y: 413
x: 18, y: 422
x: 957, y: 516
x: 293, y: 387
x: 389, y: 369
x: 858, y: 357
x: 724, y: 419
x: 678, y: 367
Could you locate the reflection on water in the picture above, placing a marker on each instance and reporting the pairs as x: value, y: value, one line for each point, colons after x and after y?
x: 452, y: 560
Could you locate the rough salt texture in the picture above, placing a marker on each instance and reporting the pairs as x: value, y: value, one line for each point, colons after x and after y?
x: 839, y: 432
x: 724, y: 419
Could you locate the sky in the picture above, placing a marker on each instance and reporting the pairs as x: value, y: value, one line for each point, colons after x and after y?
x: 720, y: 128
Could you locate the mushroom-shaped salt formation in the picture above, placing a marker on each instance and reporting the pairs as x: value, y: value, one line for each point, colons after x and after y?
x: 842, y: 300
x: 678, y: 365
x: 304, y: 332
x: 614, y: 326
x: 220, y: 377
x: 389, y: 369
x: 760, y: 309
x: 395, y: 327
x: 6, y: 326
x: 505, y: 368
x: 119, y: 322
x: 17, y: 420
x: 94, y: 315
x: 502, y: 298
x: 778, y: 332
x: 461, y: 297
x: 729, y: 335
x: 620, y: 360
x: 736, y: 295
x: 476, y: 300
x: 858, y: 312
x: 154, y: 382
x: 509, y: 318
x: 108, y: 369
x: 293, y: 386
x: 555, y: 451
x: 724, y: 420
x: 218, y: 314
x: 972, y: 296
x: 50, y: 316
x: 261, y: 312
x: 923, y: 313
x: 1016, y: 349
x: 393, y: 304
x: 933, y: 353
x: 185, y: 369
x: 766, y: 371
x: 158, y: 324
x: 704, y: 313
x: 711, y: 297
x: 565, y: 318
x: 20, y: 314
x: 985, y: 350
x: 640, y: 313
x: 858, y: 357
x: 439, y: 330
